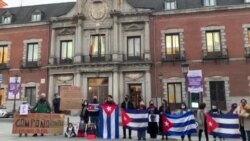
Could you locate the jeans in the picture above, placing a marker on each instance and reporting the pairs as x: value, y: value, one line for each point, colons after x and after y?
x: 248, y: 135
x: 141, y: 134
x: 189, y: 137
x: 95, y: 120
x: 200, y: 134
x: 243, y: 133
x: 124, y: 132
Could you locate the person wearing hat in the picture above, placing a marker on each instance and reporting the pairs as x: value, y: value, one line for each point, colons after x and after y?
x: 141, y: 133
x: 127, y: 105
x: 243, y: 113
x: 42, y: 106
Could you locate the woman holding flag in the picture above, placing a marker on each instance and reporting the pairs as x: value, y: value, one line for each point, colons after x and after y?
x: 184, y: 110
x: 164, y: 109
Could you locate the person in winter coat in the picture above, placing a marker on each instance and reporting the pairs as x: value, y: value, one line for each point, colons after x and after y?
x: 70, y: 131
x: 42, y: 106
x: 152, y: 124
x: 201, y: 119
x: 141, y: 133
x: 215, y: 111
x: 233, y: 109
x: 93, y: 109
x: 184, y: 109
x: 164, y: 109
x: 244, y: 112
x: 84, y: 115
x: 56, y: 104
x: 127, y: 105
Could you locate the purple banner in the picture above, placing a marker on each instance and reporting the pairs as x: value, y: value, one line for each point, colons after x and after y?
x: 195, y: 81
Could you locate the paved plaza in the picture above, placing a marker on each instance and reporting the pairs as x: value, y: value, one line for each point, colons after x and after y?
x: 6, y: 129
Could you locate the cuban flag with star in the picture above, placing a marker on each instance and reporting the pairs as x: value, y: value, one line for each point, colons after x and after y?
x: 223, y: 126
x: 109, y: 121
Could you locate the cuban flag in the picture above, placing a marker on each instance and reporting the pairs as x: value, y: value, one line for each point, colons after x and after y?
x: 179, y: 125
x: 223, y: 126
x: 93, y: 107
x: 109, y: 121
x: 135, y: 119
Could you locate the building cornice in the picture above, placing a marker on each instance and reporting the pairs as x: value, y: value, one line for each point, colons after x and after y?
x: 203, y: 9
x: 23, y: 25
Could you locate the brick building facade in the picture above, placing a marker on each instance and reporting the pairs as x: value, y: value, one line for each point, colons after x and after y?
x: 213, y: 38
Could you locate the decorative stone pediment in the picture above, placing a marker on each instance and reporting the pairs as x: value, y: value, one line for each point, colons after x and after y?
x: 66, y: 31
x: 133, y: 27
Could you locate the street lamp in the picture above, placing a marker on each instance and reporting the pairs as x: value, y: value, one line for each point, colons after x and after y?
x: 15, y: 92
x: 185, y: 69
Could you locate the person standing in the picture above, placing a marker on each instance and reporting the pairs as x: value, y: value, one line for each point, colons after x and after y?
x: 110, y: 100
x: 93, y: 110
x: 42, y: 106
x: 152, y: 124
x: 215, y: 111
x: 84, y: 115
x: 233, y: 109
x: 184, y: 109
x: 164, y: 109
x: 127, y: 105
x: 244, y: 113
x: 201, y: 119
x: 24, y: 111
x: 56, y: 103
x: 141, y: 133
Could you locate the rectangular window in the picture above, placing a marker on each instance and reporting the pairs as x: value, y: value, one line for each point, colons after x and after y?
x: 134, y: 46
x: 36, y: 17
x: 98, y: 87
x: 217, y: 93
x: 6, y: 20
x: 98, y: 45
x: 213, y: 41
x: 174, y: 95
x: 172, y: 46
x: 30, y: 95
x: 209, y: 2
x: 3, y: 54
x: 66, y: 50
x: 32, y: 52
x: 170, y: 5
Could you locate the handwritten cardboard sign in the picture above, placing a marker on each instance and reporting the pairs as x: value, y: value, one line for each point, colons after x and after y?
x: 38, y: 123
x: 71, y: 98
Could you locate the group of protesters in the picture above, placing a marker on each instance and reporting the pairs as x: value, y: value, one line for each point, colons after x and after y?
x: 155, y: 127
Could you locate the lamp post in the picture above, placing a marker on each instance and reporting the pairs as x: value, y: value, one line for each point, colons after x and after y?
x: 185, y: 69
x: 15, y: 92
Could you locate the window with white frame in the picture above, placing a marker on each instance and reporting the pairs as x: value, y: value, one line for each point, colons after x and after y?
x: 35, y: 17
x: 172, y: 46
x: 66, y: 49
x: 209, y: 2
x: 170, y: 4
x: 32, y: 52
x: 174, y: 94
x: 134, y: 46
x: 213, y: 41
x: 6, y: 19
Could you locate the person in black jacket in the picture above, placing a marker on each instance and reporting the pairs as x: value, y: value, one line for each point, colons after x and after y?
x: 127, y: 105
x: 84, y: 116
x: 56, y: 103
x: 94, y: 113
x: 153, y: 120
x: 164, y: 109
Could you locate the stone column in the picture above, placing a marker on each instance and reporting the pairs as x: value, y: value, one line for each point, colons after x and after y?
x: 148, y: 87
x: 115, y: 40
x: 51, y: 88
x: 120, y: 45
x: 78, y: 43
x: 85, y: 87
x: 122, y: 87
x: 115, y: 87
x: 52, y: 47
x: 77, y: 78
x: 147, y: 41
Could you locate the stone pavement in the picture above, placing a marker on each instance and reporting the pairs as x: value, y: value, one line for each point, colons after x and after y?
x: 6, y: 128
